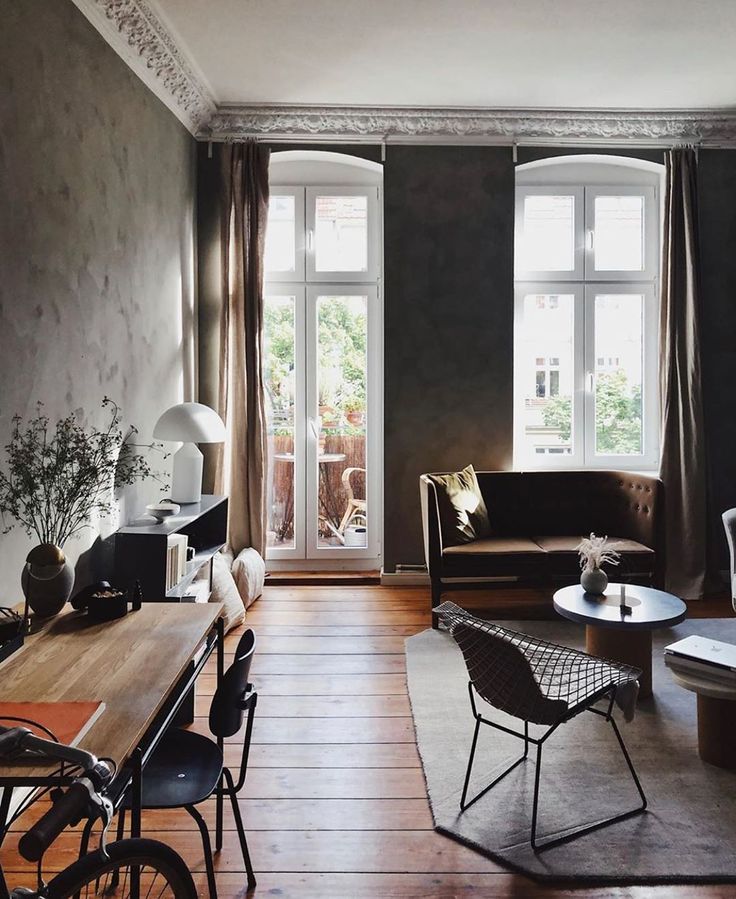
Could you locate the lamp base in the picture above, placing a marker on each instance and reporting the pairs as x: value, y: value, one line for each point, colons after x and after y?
x: 186, y: 475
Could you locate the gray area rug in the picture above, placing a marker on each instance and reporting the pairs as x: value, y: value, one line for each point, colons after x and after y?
x: 688, y: 833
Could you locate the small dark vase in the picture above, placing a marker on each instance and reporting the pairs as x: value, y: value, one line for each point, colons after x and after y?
x: 47, y: 580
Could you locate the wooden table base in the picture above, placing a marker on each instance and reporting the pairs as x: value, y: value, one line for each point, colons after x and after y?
x: 717, y: 731
x: 631, y: 647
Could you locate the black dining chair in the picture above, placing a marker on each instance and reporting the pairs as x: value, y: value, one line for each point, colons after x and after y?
x: 187, y: 768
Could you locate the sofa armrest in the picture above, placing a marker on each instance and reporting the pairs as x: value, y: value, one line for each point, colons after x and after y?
x: 431, y: 531
x: 642, y: 512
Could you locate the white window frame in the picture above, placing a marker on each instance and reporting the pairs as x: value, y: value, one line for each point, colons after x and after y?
x: 585, y: 283
x: 576, y: 458
x: 373, y: 417
x: 298, y: 275
x: 298, y: 292
x: 372, y: 236
x: 551, y: 190
x: 651, y: 230
x: 308, y: 174
x: 650, y: 423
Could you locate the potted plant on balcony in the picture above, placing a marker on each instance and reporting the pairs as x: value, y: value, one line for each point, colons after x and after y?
x: 354, y: 410
x: 55, y: 481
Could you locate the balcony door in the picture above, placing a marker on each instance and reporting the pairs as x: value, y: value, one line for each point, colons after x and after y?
x: 322, y: 354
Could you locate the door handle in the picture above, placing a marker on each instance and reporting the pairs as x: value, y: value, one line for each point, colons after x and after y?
x: 315, y: 427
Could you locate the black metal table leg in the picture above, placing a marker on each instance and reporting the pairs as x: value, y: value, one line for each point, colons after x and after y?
x: 7, y: 792
x: 219, y: 797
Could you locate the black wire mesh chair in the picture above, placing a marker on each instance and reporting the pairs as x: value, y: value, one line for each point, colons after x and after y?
x: 540, y: 683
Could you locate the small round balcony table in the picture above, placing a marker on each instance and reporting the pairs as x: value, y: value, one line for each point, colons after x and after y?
x: 716, y: 718
x: 323, y: 459
x: 611, y: 634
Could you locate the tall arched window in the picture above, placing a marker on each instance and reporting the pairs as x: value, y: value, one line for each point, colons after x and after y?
x: 586, y: 270
x: 322, y: 360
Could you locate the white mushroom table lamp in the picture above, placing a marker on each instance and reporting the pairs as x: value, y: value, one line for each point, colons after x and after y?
x: 191, y: 423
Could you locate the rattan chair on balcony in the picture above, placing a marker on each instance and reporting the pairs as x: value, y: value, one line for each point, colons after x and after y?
x: 356, y: 508
x: 540, y: 683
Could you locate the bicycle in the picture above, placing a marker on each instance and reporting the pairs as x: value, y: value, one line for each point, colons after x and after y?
x: 133, y: 867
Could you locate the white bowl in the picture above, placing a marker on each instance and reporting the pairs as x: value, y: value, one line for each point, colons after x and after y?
x: 162, y: 510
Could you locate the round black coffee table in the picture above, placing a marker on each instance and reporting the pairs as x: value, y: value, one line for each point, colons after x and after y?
x: 611, y: 634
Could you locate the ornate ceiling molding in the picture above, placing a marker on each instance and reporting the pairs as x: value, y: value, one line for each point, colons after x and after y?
x: 141, y: 38
x: 502, y: 126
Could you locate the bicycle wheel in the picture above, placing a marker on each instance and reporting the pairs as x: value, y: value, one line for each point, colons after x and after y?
x: 161, y: 871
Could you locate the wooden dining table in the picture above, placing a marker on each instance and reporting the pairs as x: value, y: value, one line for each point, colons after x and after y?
x: 142, y: 666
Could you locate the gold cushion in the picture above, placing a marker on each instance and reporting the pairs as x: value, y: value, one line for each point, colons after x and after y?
x: 463, y: 513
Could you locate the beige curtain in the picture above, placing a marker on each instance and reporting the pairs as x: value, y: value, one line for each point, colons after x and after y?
x: 240, y: 465
x: 683, y: 450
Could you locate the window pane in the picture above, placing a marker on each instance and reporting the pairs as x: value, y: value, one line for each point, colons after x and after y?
x: 619, y: 234
x: 618, y: 374
x: 544, y: 373
x: 341, y: 234
x: 279, y: 377
x: 548, y: 243
x: 280, y: 252
x: 342, y: 334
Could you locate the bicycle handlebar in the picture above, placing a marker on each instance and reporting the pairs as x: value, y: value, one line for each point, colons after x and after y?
x: 69, y: 809
x: 15, y: 739
x: 82, y: 799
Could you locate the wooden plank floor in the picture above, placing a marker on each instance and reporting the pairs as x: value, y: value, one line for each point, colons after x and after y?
x: 335, y: 802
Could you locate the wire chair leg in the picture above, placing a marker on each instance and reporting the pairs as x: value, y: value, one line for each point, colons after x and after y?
x: 588, y: 828
x: 241, y: 830
x: 632, y: 770
x: 535, y: 801
x: 465, y: 805
x: 470, y: 765
x: 207, y: 847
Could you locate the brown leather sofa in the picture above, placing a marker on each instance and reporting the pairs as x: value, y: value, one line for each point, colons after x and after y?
x: 537, y: 520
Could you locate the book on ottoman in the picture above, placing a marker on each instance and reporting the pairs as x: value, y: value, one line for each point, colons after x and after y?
x: 703, y: 656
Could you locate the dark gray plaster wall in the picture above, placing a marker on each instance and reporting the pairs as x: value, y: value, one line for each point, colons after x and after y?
x: 97, y: 190
x: 448, y: 363
x: 717, y: 205
x: 209, y: 293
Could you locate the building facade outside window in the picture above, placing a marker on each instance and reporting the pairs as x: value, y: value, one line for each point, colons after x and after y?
x: 587, y: 270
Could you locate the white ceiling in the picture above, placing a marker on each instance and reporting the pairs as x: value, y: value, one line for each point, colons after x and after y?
x: 575, y: 54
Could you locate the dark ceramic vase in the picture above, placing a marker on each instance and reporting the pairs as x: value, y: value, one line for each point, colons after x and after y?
x: 47, y: 587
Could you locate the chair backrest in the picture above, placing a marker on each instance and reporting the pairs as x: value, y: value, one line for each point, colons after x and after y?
x: 498, y: 669
x: 347, y: 482
x: 226, y: 711
x: 729, y: 523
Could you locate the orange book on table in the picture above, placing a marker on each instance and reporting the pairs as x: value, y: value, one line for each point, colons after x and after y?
x: 68, y: 722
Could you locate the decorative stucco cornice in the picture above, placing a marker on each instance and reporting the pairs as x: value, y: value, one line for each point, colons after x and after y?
x: 137, y: 33
x: 503, y: 126
x: 140, y: 36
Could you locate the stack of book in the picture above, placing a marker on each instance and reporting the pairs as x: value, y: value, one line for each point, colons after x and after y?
x: 176, y: 559
x: 703, y: 657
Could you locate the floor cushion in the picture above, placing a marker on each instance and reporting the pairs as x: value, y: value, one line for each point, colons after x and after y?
x: 249, y: 571
x: 225, y: 590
